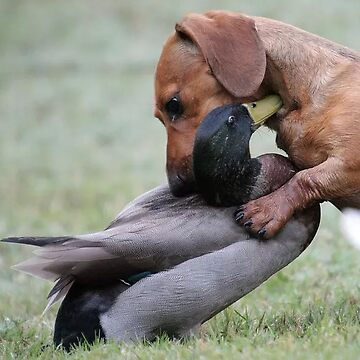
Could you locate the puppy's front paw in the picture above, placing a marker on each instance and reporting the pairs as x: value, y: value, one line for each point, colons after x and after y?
x: 264, y: 217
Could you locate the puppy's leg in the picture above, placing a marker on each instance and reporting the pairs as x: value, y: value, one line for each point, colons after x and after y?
x: 330, y: 180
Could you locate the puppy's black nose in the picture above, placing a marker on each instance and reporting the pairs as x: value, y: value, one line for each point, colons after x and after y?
x: 179, y: 185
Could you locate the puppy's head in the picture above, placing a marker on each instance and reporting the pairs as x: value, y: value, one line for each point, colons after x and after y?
x: 211, y: 60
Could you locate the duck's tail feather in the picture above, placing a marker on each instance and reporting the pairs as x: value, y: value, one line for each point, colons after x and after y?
x: 64, y: 259
x: 61, y: 256
x: 37, y: 240
x: 59, y: 291
x: 53, y: 262
x: 38, y: 267
x: 42, y: 264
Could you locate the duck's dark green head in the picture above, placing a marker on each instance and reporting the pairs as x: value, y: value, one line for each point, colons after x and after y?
x: 221, y: 154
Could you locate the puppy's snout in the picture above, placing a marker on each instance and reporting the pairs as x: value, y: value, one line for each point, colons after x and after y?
x: 180, y: 185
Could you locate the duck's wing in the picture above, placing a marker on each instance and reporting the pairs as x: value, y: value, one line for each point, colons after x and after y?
x: 161, y: 202
x: 135, y: 209
x: 155, y: 232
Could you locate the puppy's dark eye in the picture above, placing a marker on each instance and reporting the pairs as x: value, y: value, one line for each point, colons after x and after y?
x: 174, y: 108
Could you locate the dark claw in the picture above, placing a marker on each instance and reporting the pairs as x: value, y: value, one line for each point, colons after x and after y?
x: 248, y: 223
x: 261, y: 233
x: 239, y: 216
x: 240, y: 208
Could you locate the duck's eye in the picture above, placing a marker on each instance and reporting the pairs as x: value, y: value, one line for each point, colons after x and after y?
x: 174, y: 108
x: 231, y: 120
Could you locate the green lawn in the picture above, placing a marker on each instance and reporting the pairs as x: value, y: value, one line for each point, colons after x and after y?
x: 78, y: 141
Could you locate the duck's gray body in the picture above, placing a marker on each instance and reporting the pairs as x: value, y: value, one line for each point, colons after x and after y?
x: 179, y: 300
x: 201, y: 260
x: 203, y: 263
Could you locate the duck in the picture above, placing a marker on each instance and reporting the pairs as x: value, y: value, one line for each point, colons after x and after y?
x: 168, y: 264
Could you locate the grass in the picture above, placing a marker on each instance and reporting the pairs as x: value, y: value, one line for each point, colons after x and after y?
x: 77, y: 142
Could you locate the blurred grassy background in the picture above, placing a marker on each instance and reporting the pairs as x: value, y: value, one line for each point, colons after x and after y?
x: 78, y: 141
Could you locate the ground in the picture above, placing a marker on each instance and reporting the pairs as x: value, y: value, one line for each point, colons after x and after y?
x: 78, y: 141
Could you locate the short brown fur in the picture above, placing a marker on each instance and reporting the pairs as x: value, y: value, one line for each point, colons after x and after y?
x: 221, y: 57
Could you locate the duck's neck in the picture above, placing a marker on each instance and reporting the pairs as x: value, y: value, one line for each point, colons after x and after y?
x: 233, y: 182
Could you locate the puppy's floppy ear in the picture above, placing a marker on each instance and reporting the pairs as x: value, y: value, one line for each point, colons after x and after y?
x: 231, y: 47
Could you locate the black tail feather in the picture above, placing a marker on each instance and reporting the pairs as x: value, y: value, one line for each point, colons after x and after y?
x: 37, y: 240
x: 60, y: 284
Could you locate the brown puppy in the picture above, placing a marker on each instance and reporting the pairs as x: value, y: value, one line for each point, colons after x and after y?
x: 223, y: 57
